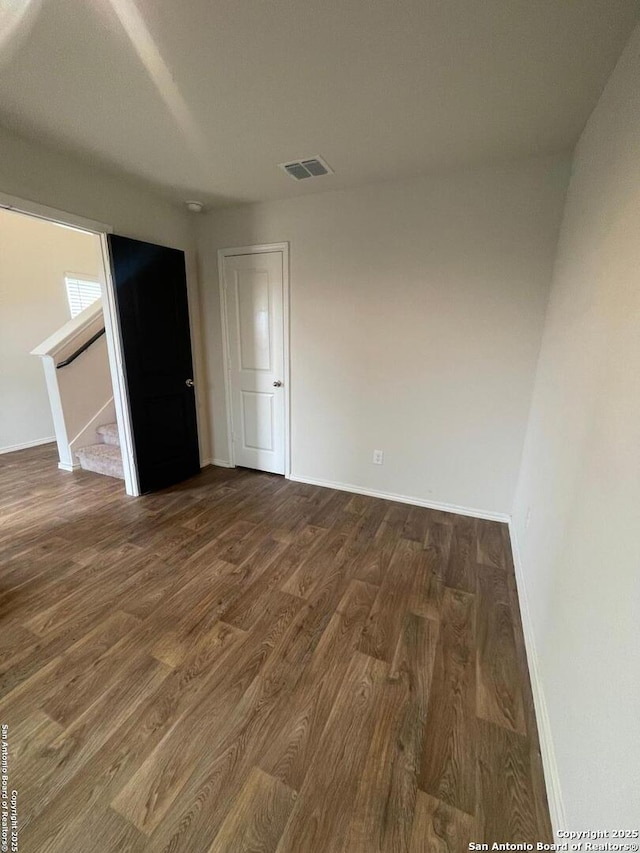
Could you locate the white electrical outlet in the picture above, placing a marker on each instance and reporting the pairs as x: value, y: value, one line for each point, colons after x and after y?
x: 378, y: 457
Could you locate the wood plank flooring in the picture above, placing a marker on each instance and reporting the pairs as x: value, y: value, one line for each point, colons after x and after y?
x: 243, y: 663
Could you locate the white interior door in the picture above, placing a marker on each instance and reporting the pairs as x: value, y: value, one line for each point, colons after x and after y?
x: 254, y: 299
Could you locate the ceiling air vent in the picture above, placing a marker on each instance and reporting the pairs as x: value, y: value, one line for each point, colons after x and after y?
x: 314, y: 167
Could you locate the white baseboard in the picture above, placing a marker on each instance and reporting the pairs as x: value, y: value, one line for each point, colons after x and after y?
x: 204, y: 463
x: 552, y: 779
x: 36, y: 443
x: 222, y: 463
x: 64, y: 466
x: 404, y: 499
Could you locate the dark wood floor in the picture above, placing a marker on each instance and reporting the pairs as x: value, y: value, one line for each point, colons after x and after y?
x: 248, y: 664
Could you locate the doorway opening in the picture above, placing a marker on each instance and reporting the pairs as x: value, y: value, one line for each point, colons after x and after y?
x: 53, y: 283
x: 141, y: 324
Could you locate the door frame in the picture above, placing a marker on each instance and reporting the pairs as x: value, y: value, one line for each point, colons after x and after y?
x: 111, y: 324
x: 260, y: 249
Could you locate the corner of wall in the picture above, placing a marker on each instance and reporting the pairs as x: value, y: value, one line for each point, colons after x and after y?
x: 547, y: 751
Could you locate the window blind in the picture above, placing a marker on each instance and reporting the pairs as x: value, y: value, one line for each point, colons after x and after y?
x: 81, y: 293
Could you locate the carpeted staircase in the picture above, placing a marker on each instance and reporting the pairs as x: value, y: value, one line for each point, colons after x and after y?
x: 106, y: 457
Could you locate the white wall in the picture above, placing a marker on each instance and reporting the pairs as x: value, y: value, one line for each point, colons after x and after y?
x: 36, y: 173
x: 34, y: 257
x: 416, y: 316
x: 580, y: 475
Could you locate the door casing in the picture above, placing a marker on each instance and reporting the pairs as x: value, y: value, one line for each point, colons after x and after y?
x: 256, y: 250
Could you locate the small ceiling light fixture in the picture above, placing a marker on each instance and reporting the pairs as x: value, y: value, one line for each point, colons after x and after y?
x: 194, y: 206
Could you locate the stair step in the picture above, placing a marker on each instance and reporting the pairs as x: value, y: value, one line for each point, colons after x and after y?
x: 108, y: 433
x: 102, y: 459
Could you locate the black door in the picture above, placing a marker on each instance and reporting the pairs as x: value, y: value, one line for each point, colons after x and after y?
x: 151, y: 296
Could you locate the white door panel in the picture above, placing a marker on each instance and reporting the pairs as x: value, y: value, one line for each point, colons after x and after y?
x: 254, y: 299
x: 257, y: 420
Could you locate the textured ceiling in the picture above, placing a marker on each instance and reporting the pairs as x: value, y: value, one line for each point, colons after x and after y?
x: 205, y: 97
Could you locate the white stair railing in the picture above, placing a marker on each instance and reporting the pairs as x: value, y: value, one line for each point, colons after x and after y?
x: 76, y: 369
